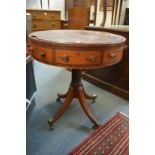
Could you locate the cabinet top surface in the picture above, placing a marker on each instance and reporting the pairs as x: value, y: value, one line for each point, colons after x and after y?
x: 30, y: 9
x: 78, y: 38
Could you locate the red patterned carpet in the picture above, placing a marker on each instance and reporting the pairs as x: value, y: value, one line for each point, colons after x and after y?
x: 112, y: 138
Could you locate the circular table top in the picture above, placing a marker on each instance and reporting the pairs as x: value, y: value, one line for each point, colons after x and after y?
x: 77, y: 38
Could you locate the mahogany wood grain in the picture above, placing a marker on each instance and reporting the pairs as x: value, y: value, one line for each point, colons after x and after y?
x: 78, y: 49
x: 42, y: 54
x: 112, y: 56
x: 45, y: 15
x: 78, y: 18
x: 39, y: 25
x: 112, y: 78
x: 43, y: 19
x: 86, y: 4
x: 75, y: 57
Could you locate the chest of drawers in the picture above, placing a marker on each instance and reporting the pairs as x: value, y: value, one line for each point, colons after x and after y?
x: 45, y: 19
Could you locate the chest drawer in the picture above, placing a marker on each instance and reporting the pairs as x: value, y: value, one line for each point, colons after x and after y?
x: 77, y: 58
x: 112, y: 56
x: 45, y: 25
x: 46, y: 15
x: 42, y: 54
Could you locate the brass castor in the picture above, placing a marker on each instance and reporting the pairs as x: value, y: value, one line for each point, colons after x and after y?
x: 60, y: 96
x: 58, y: 99
x: 95, y: 126
x: 51, y: 124
x: 91, y: 97
x: 94, y: 98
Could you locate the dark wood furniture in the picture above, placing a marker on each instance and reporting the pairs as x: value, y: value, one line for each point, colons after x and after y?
x: 113, y: 78
x: 85, y: 4
x: 45, y: 19
x: 64, y: 24
x: 126, y: 19
x: 116, y: 12
x: 70, y: 4
x: 76, y: 49
x: 78, y: 18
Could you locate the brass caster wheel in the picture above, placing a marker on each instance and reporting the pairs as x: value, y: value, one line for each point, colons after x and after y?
x: 93, y: 101
x: 51, y: 124
x: 94, y: 98
x: 96, y: 126
x: 58, y: 99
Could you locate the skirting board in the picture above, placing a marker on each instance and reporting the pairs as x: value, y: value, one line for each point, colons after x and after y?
x: 107, y: 86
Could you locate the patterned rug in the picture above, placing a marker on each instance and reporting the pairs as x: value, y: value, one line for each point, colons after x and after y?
x: 112, y: 138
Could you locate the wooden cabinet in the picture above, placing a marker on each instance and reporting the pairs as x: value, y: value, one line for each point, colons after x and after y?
x: 42, y: 54
x: 113, y: 78
x: 86, y: 9
x: 78, y: 18
x: 69, y: 4
x: 45, y: 19
x: 126, y: 19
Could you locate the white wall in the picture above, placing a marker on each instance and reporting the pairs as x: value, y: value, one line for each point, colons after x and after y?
x: 33, y: 4
x: 60, y: 5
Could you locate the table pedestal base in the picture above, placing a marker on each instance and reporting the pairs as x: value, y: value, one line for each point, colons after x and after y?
x: 76, y: 90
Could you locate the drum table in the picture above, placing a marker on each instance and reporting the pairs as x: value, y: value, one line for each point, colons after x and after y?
x: 76, y: 49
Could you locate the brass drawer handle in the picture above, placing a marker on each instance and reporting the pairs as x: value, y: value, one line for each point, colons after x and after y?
x: 112, y: 55
x: 53, y: 25
x: 53, y: 16
x: 34, y: 36
x: 92, y: 58
x: 42, y: 54
x: 30, y: 49
x: 65, y: 58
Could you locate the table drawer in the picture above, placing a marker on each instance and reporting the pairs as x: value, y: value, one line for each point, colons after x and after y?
x: 112, y: 56
x: 45, y: 25
x: 42, y: 54
x: 46, y: 15
x: 78, y: 58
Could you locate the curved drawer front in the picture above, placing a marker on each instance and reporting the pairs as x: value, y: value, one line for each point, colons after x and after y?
x: 42, y: 54
x: 68, y: 57
x: 112, y: 56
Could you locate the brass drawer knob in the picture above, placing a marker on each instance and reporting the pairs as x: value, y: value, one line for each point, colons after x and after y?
x: 112, y: 55
x: 65, y: 58
x: 30, y: 49
x: 92, y: 58
x: 42, y: 54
